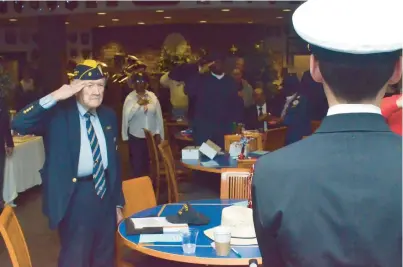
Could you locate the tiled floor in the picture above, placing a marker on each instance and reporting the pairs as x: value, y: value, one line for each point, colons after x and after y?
x: 43, y: 243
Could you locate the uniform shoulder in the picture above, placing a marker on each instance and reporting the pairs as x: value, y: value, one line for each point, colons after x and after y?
x: 283, y: 156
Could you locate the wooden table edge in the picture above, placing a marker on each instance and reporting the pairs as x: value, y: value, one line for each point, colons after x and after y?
x: 187, y: 258
x: 201, y: 168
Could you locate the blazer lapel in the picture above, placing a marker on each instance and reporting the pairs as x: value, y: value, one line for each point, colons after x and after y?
x: 74, y: 130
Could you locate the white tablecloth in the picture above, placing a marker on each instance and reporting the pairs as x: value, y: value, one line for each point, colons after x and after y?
x: 21, y: 170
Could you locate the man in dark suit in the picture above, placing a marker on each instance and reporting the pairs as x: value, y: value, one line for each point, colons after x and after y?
x: 334, y: 199
x: 82, y: 174
x: 295, y: 112
x: 7, y: 144
x: 257, y: 116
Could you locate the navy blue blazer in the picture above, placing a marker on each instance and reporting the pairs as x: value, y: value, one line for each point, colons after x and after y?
x: 60, y: 128
x: 333, y: 199
x: 297, y: 120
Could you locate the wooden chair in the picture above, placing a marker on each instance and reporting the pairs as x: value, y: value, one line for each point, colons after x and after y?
x: 139, y: 195
x: 246, y: 163
x: 157, y: 167
x: 166, y: 153
x: 234, y: 183
x: 14, y: 239
x: 275, y: 138
x: 255, y: 144
x: 155, y: 164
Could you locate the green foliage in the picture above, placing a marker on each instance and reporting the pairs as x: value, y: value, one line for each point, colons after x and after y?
x: 169, y: 60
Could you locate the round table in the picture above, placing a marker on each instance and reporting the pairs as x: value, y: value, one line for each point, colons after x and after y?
x: 204, y: 254
x: 206, y: 165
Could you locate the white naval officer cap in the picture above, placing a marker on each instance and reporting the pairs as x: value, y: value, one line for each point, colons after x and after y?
x: 358, y: 27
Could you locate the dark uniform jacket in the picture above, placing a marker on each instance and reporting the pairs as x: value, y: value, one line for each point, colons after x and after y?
x: 333, y: 199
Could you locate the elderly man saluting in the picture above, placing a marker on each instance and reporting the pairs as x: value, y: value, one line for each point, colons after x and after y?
x: 81, y: 176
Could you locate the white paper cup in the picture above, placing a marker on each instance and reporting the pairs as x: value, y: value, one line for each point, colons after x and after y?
x: 222, y: 240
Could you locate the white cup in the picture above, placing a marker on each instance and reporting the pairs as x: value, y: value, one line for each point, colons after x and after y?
x: 222, y: 240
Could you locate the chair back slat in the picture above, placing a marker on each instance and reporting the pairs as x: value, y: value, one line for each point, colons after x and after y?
x: 155, y: 163
x: 234, y: 183
x: 14, y: 239
x: 166, y: 153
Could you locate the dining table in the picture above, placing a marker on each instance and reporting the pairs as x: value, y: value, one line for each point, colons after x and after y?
x: 222, y: 161
x: 205, y: 253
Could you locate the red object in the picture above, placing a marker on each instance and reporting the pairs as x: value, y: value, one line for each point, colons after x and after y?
x: 392, y: 113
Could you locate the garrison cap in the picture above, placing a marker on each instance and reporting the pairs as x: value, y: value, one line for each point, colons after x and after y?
x: 89, y: 70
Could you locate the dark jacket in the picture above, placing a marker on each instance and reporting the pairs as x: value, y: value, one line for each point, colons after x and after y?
x: 60, y: 128
x: 333, y: 199
x: 5, y: 131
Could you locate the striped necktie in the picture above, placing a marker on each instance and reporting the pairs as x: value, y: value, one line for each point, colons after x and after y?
x: 98, y: 172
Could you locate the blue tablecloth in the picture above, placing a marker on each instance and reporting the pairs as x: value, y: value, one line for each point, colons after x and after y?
x: 210, y: 208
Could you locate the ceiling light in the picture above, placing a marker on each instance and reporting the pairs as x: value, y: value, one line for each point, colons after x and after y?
x: 225, y: 10
x: 101, y: 13
x: 286, y: 10
x: 167, y: 17
x: 140, y: 23
x: 115, y: 20
x: 279, y: 17
x: 101, y: 26
x: 13, y: 20
x: 203, y: 21
x: 250, y: 22
x: 67, y: 23
x: 159, y: 11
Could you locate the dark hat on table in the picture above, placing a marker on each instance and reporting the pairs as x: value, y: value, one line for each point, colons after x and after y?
x: 187, y: 214
x: 345, y: 31
x: 89, y: 70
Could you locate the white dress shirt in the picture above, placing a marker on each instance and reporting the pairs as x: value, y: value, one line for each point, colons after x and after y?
x: 264, y: 111
x: 353, y: 108
x: 135, y: 118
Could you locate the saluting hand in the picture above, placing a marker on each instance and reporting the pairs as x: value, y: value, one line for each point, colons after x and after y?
x: 68, y: 90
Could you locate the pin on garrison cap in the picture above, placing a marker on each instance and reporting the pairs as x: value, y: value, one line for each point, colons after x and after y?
x: 353, y: 27
x: 89, y: 70
x: 187, y: 214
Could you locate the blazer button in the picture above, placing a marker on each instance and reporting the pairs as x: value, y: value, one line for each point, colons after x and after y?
x: 74, y: 180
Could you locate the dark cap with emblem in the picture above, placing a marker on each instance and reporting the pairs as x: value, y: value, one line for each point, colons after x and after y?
x: 187, y: 214
x: 89, y: 70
